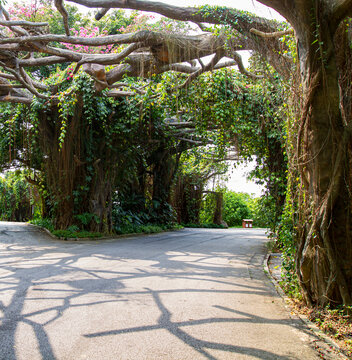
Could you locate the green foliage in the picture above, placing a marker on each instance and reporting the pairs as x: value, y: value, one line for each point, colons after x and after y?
x: 228, y: 18
x: 85, y: 218
x: 43, y: 222
x: 67, y: 234
x: 71, y: 232
x: 204, y: 225
x: 146, y: 229
x: 15, y: 197
x: 264, y: 212
x: 135, y: 216
x: 124, y: 135
x: 237, y: 206
x: 197, y: 167
x: 286, y: 241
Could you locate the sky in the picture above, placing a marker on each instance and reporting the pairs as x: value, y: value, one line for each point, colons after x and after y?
x: 238, y: 182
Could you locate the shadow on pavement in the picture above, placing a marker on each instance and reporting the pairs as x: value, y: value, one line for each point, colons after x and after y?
x: 41, y: 278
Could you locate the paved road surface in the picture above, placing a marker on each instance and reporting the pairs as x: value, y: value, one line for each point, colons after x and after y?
x: 190, y: 294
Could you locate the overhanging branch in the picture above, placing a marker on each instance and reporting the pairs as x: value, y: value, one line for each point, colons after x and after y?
x: 271, y: 35
x: 60, y: 7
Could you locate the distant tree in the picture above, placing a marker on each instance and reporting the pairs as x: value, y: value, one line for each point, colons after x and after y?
x: 16, y: 197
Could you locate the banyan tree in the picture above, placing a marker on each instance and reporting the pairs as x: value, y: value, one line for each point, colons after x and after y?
x: 318, y: 68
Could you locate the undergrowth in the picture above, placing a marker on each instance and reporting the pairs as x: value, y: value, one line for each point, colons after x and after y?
x: 335, y: 322
x: 206, y: 226
x: 75, y: 232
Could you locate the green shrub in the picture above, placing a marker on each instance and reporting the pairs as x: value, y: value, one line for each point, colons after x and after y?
x: 15, y: 197
x: 263, y: 212
x: 76, y: 234
x: 206, y: 226
x: 236, y: 207
x: 146, y: 229
x: 45, y: 223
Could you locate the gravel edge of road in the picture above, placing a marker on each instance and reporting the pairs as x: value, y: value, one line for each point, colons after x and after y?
x: 310, y: 325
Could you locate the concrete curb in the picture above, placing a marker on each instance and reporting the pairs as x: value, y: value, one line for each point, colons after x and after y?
x: 309, y: 324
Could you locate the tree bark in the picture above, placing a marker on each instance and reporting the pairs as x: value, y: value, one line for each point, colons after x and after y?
x: 324, y: 235
x: 164, y: 167
x: 78, y: 182
x: 219, y: 204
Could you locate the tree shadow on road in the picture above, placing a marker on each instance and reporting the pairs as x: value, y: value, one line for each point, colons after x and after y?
x: 46, y: 278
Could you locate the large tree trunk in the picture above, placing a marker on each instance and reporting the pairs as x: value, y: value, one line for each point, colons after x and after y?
x: 164, y: 167
x: 324, y: 254
x: 78, y: 176
x: 219, y: 204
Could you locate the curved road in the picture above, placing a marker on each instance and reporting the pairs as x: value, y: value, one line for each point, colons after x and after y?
x: 190, y: 294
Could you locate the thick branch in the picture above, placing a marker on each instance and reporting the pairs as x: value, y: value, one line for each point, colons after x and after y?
x: 15, y: 29
x: 22, y: 23
x: 196, y: 142
x: 238, y: 59
x: 101, y: 13
x: 49, y: 60
x: 114, y: 93
x: 33, y: 84
x: 60, y: 7
x: 15, y: 90
x: 232, y: 17
x: 210, y: 66
x: 7, y: 76
x: 15, y: 99
x: 109, y: 59
x: 10, y: 86
x: 284, y: 7
x: 98, y: 41
x: 19, y: 78
x: 272, y: 34
x: 179, y: 13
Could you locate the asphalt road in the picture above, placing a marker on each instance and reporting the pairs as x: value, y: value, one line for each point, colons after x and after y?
x: 190, y: 294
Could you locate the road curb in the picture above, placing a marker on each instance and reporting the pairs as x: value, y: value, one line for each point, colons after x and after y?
x: 309, y: 324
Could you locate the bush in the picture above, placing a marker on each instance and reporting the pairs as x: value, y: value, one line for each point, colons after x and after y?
x: 145, y: 229
x: 237, y: 206
x: 15, y: 198
x: 45, y: 223
x: 206, y: 226
x: 76, y: 234
x: 263, y: 212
